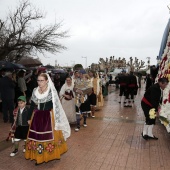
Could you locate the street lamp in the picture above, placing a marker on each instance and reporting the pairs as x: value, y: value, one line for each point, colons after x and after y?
x: 148, y: 61
x: 168, y: 7
x: 86, y: 61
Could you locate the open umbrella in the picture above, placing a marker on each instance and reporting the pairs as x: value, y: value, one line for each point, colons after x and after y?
x: 29, y: 62
x: 10, y: 66
x: 82, y: 71
x: 58, y: 71
x: 42, y: 69
x: 49, y: 67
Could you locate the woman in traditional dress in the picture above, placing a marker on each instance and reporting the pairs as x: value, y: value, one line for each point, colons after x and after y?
x: 68, y: 100
x: 94, y: 83
x: 100, y: 101
x: 49, y: 127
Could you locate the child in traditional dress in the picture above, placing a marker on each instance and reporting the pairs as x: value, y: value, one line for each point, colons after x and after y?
x: 82, y: 110
x: 83, y: 103
x: 94, y: 83
x: 21, y: 123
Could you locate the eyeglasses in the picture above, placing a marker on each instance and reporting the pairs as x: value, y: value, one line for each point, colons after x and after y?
x: 40, y: 80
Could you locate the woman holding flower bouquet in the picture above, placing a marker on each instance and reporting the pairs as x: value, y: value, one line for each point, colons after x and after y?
x: 150, y: 103
x: 49, y: 127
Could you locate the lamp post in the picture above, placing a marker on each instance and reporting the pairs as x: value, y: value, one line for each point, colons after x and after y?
x: 168, y: 7
x: 86, y: 61
x: 148, y: 62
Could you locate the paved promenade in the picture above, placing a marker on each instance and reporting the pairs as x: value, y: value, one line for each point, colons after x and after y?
x: 111, y: 141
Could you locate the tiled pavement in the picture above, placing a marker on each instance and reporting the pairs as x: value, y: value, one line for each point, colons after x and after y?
x: 111, y: 141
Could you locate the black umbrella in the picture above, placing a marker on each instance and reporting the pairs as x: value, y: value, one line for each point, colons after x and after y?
x: 10, y: 66
x: 58, y: 71
x: 49, y: 67
x: 29, y: 62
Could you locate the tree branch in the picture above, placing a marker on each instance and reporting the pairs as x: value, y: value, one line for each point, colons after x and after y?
x: 16, y: 34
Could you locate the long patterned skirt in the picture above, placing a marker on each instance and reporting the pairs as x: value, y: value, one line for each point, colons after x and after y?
x: 43, y: 142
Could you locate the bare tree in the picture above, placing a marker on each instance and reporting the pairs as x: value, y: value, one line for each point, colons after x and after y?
x: 18, y: 38
x: 136, y: 65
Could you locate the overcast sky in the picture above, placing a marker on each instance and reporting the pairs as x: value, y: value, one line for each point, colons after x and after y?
x: 103, y: 28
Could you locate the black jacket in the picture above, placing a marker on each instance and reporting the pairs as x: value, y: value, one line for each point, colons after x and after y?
x: 7, y: 88
x: 148, y: 82
x: 123, y: 79
x: 132, y: 81
x: 153, y: 96
x: 24, y: 117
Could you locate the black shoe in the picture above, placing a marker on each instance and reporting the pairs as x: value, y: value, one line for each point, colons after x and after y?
x: 144, y: 136
x: 14, y: 153
x: 154, y: 137
x: 119, y: 102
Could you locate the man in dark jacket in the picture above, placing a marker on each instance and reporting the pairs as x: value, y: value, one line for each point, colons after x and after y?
x: 31, y: 84
x: 131, y: 87
x: 33, y: 81
x: 149, y: 81
x: 7, y: 91
x: 110, y: 79
x: 123, y: 86
x: 150, y: 103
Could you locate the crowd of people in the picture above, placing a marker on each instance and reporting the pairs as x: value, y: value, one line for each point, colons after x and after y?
x: 45, y: 107
x: 15, y: 84
x: 128, y: 85
x: 12, y: 85
x: 80, y: 94
x: 40, y: 111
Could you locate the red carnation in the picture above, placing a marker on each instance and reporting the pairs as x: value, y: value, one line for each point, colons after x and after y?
x: 165, y: 101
